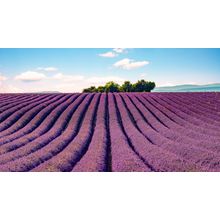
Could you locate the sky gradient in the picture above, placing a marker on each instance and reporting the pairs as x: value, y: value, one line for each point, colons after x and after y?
x: 71, y: 70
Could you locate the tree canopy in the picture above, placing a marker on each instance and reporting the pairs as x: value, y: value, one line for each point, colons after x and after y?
x: 127, y: 86
x: 112, y: 87
x: 143, y: 86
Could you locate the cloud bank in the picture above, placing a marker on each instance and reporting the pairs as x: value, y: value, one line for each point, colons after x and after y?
x: 30, y: 76
x: 26, y: 82
x: 108, y: 54
x: 114, y: 53
x: 129, y: 64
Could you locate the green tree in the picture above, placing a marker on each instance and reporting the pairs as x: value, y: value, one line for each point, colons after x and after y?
x: 126, y: 87
x: 101, y: 89
x: 151, y: 85
x: 112, y: 87
x: 90, y: 89
x: 143, y: 86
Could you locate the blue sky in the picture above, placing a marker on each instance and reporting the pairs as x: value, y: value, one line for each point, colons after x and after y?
x: 71, y: 70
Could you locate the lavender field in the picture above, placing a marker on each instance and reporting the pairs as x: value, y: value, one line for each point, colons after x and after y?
x: 110, y: 132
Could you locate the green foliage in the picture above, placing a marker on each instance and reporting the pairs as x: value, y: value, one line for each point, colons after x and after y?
x: 152, y: 85
x: 112, y: 87
x: 143, y: 86
x: 127, y: 86
x: 101, y: 89
x: 90, y: 89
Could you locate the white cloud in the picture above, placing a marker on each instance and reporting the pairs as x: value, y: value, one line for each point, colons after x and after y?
x: 30, y: 76
x: 119, y: 50
x: 108, y: 54
x: 48, y: 69
x: 129, y: 64
x: 114, y: 53
x: 68, y: 78
x: 57, y: 82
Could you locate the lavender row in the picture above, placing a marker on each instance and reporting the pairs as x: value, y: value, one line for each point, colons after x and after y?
x: 123, y: 156
x: 171, y: 130
x: 194, y: 106
x: 185, y: 119
x: 95, y: 159
x: 27, y: 117
x: 39, y: 120
x: 47, y: 132
x: 170, y: 118
x: 13, y: 118
x: 10, y: 99
x: 65, y: 159
x: 158, y: 158
x: 210, y: 102
x: 19, y: 106
x: 193, y: 113
x: 15, y: 101
x: 189, y: 152
x: 48, y: 145
x: 110, y: 132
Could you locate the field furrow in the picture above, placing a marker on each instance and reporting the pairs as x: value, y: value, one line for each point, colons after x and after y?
x: 95, y: 159
x: 40, y: 122
x: 110, y: 132
x: 30, y: 144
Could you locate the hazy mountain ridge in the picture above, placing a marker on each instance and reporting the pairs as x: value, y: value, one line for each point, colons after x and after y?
x: 189, y: 88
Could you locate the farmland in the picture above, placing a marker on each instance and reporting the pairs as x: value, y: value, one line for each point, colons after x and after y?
x: 110, y: 132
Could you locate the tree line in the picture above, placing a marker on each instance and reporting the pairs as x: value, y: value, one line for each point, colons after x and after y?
x: 127, y: 86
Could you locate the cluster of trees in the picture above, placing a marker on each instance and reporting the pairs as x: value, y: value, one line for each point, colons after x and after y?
x: 127, y: 86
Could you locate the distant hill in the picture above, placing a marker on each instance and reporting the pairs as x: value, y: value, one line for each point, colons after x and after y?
x: 189, y: 88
